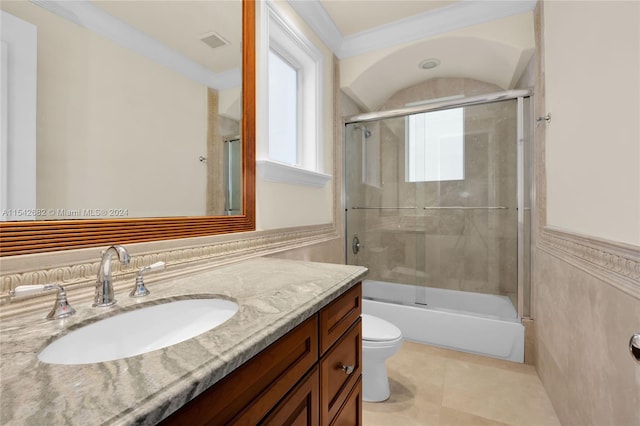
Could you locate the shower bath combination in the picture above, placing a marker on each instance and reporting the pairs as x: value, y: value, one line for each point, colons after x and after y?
x: 438, y: 209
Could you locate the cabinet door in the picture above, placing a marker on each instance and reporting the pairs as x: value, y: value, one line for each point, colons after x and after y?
x: 351, y: 412
x: 339, y: 315
x: 340, y: 369
x: 250, y: 392
x: 300, y: 407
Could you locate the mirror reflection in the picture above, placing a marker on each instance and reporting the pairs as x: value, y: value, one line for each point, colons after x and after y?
x: 128, y: 109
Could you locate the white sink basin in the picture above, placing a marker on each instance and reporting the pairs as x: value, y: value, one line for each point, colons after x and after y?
x: 139, y: 331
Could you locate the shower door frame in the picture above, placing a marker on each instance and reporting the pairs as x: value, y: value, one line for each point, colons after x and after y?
x: 519, y: 95
x: 228, y: 181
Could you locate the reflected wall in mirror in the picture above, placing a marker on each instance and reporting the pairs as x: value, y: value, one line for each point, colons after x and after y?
x: 142, y: 109
x: 134, y: 101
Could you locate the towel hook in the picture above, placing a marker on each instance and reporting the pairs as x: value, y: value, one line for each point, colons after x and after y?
x: 546, y: 118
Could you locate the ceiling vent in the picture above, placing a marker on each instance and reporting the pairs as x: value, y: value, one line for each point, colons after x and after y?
x: 213, y: 40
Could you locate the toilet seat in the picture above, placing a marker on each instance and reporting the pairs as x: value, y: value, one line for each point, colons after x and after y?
x: 372, y: 344
x: 376, y: 330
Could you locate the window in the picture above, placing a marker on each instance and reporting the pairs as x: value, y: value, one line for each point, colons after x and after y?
x: 283, y: 110
x: 435, y: 146
x: 293, y: 151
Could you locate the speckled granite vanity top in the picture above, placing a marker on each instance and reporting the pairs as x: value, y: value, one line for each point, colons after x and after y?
x: 274, y: 296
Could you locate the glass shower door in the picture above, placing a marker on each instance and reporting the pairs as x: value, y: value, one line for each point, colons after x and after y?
x: 432, y: 201
x: 380, y: 209
x: 468, y: 200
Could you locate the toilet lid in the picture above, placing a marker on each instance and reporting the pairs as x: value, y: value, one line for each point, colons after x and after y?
x: 377, y: 329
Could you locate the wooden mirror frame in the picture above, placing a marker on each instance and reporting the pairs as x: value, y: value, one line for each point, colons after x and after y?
x: 43, y: 236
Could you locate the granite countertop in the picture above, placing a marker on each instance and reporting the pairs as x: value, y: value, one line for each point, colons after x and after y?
x: 274, y: 296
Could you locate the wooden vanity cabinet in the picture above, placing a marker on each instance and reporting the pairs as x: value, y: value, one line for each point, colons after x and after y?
x: 311, y: 376
x: 351, y: 411
x: 341, y: 360
x: 301, y: 406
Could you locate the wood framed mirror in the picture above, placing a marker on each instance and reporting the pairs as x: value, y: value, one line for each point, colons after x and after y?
x: 38, y: 236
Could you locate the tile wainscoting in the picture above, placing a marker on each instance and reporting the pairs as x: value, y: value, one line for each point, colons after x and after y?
x: 587, y: 306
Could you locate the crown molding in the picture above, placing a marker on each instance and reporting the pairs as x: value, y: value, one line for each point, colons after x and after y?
x: 97, y: 20
x: 317, y: 18
x: 428, y: 24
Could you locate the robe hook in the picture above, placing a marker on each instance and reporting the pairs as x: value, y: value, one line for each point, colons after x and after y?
x: 546, y: 118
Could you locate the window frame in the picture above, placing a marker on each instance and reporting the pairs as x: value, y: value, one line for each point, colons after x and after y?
x: 295, y: 48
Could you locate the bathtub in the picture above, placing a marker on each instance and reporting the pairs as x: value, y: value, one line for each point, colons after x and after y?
x: 478, y: 323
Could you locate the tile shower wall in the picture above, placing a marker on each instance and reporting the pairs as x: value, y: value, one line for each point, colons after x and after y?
x: 472, y: 250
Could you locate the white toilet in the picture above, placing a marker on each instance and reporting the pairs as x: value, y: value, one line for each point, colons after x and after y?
x: 380, y: 340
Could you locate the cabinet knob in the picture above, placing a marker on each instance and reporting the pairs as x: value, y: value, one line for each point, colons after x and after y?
x: 348, y: 369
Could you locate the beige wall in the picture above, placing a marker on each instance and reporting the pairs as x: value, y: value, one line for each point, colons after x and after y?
x: 593, y: 95
x: 280, y: 205
x: 93, y: 152
x: 586, y: 290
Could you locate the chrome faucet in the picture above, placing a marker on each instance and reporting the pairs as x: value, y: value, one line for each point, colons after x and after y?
x: 104, y: 285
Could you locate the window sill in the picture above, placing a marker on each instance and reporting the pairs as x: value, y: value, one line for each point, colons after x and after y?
x: 279, y: 172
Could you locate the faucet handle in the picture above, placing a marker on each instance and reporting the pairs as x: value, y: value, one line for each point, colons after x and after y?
x: 140, y: 290
x: 61, y: 307
x: 27, y: 290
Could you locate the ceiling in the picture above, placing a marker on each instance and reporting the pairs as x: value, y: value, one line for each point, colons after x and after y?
x: 375, y: 40
x: 384, y: 41
x: 167, y: 32
x: 180, y: 25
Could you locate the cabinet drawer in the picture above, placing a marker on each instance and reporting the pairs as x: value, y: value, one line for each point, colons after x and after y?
x: 339, y: 315
x: 301, y: 407
x: 249, y: 393
x: 351, y: 412
x: 340, y: 369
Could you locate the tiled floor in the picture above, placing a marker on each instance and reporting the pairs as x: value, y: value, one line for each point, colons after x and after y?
x: 433, y: 386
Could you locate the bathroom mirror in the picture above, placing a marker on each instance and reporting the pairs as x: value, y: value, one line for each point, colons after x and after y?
x: 148, y: 130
